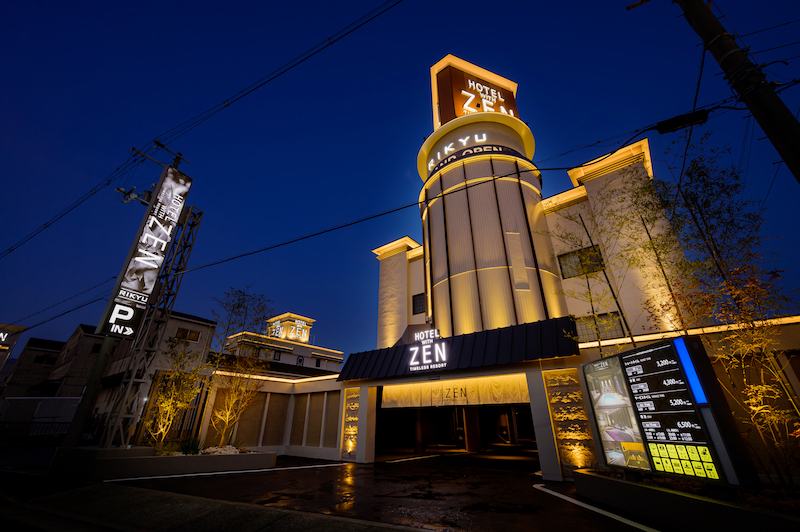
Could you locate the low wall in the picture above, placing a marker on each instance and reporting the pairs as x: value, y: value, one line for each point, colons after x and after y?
x: 114, y: 464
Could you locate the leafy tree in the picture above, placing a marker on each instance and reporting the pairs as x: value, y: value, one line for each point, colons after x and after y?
x: 699, y: 238
x: 237, y: 388
x: 586, y: 231
x: 176, y: 388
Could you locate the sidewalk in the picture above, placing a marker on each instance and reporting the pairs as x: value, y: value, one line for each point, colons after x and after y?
x: 37, y: 503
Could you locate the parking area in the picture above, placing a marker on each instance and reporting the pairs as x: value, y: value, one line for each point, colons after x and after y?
x: 453, y: 491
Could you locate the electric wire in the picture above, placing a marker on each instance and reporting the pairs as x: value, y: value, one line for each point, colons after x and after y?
x: 17, y: 322
x: 113, y: 176
x: 599, y: 143
x: 770, y: 28
x: 181, y: 129
x: 776, y: 47
x: 636, y: 133
x: 73, y: 309
x: 691, y: 130
x: 780, y: 163
x: 393, y: 210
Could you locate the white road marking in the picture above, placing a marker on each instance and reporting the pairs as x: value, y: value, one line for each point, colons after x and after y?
x: 621, y: 519
x: 412, y: 458
x: 213, y: 473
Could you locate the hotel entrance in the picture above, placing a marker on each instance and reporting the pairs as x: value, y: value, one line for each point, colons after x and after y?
x: 479, y: 415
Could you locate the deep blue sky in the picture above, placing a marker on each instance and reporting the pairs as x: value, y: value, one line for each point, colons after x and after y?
x: 333, y: 140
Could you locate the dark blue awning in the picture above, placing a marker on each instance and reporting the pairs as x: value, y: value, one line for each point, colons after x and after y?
x: 518, y: 343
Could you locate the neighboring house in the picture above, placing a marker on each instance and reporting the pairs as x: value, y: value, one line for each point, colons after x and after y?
x: 297, y: 409
x: 29, y: 376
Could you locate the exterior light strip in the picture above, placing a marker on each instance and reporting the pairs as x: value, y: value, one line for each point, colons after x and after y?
x: 275, y: 379
x: 691, y: 373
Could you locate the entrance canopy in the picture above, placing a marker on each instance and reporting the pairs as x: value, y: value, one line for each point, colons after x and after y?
x: 509, y: 345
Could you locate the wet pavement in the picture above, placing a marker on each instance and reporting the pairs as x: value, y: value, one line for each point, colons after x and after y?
x: 456, y: 492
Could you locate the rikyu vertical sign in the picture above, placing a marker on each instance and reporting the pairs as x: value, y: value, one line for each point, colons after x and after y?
x: 136, y: 281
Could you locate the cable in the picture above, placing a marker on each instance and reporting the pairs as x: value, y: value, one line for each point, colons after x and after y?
x: 691, y: 130
x: 787, y: 59
x: 73, y: 309
x: 787, y: 85
x: 384, y: 213
x: 583, y: 146
x: 63, y: 301
x: 764, y: 202
x: 181, y: 129
x: 776, y: 47
x: 176, y: 132
x: 74, y: 205
x: 770, y: 28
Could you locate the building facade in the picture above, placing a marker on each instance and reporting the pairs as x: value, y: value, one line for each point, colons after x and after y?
x: 484, y: 325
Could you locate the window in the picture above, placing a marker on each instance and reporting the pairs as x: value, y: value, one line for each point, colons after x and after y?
x: 581, y: 262
x: 418, y: 303
x: 276, y: 355
x: 96, y: 348
x: 186, y: 334
x: 299, y: 361
x: 45, y: 360
x: 319, y: 363
x: 609, y: 325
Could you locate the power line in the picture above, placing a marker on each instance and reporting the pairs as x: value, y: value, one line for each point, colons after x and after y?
x: 636, y: 133
x: 770, y: 28
x: 764, y: 202
x: 73, y: 309
x: 63, y: 301
x: 776, y: 47
x: 391, y: 211
x: 181, y: 129
x: 74, y: 205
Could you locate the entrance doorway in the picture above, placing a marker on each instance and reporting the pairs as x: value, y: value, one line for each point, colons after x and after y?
x: 502, y: 430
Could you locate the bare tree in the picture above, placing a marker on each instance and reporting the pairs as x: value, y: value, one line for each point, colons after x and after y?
x: 239, y: 311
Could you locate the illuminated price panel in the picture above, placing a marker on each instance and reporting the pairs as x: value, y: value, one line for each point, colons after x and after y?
x: 644, y: 400
x: 671, y: 424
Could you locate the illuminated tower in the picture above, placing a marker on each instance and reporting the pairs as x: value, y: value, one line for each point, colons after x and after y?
x: 488, y: 257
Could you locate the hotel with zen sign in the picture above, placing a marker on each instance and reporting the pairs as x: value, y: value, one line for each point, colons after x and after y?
x: 483, y: 339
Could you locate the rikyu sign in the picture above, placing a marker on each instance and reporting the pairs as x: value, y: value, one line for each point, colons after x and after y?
x: 137, y: 280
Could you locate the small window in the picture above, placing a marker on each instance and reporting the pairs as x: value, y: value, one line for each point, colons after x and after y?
x: 45, y: 360
x: 299, y: 361
x: 319, y: 363
x: 418, y: 303
x: 581, y: 262
x: 276, y: 355
x: 186, y: 334
x: 609, y: 325
x: 96, y: 348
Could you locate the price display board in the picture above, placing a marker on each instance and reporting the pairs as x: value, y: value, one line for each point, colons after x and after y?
x: 664, y: 402
x: 671, y: 423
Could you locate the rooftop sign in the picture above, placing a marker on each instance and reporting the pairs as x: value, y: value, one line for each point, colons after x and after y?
x: 461, y: 88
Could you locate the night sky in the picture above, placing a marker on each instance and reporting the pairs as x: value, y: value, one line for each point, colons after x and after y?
x: 333, y: 140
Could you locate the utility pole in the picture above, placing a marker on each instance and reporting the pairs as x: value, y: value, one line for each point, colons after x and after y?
x: 751, y: 86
